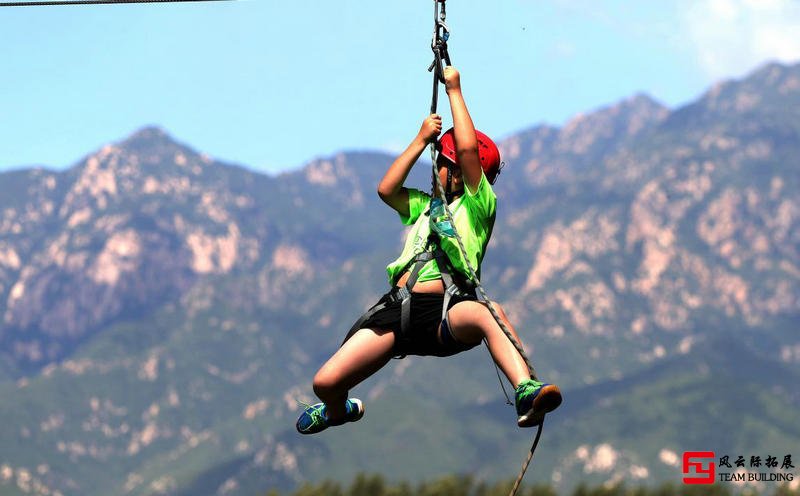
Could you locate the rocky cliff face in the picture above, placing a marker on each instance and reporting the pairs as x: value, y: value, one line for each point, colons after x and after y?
x: 678, y: 216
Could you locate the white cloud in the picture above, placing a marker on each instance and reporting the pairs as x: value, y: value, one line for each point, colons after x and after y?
x: 731, y: 36
x: 562, y: 48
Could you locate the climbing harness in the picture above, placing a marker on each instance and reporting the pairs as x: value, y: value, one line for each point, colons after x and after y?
x: 454, y: 283
x: 439, y: 46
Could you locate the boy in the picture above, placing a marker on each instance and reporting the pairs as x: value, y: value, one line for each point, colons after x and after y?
x: 409, y: 319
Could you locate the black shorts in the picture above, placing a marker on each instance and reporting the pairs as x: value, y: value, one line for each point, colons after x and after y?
x: 423, y: 326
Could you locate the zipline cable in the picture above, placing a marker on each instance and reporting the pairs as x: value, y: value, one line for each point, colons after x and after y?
x: 439, y: 46
x: 45, y: 3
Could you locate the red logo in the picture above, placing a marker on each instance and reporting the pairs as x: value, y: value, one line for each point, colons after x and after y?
x: 698, y: 467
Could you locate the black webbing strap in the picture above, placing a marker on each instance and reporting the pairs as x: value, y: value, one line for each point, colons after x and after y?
x: 450, y: 287
x: 396, y: 294
x: 419, y: 262
x: 403, y: 294
x: 364, y: 317
x: 452, y: 283
x: 405, y: 305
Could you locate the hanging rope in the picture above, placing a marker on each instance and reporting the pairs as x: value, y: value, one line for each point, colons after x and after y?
x: 95, y: 2
x: 439, y: 46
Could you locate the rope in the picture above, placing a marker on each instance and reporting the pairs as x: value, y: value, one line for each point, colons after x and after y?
x: 494, y: 313
x: 95, y: 2
x: 439, y: 46
x: 527, y: 460
x: 472, y: 274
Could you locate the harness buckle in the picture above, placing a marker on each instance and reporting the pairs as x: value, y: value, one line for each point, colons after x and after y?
x: 400, y: 294
x: 454, y: 290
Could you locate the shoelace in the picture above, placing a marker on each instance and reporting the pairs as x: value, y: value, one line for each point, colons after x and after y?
x: 315, y: 413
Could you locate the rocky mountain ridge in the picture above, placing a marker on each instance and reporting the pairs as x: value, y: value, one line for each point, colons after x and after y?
x: 163, y: 311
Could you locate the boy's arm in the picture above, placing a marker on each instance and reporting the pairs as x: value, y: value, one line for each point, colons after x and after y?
x: 464, y: 129
x: 391, y: 189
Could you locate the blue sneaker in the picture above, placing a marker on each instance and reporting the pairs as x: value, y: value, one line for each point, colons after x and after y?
x: 534, y: 399
x: 315, y: 419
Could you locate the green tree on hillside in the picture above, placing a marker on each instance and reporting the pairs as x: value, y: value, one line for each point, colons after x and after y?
x: 376, y: 485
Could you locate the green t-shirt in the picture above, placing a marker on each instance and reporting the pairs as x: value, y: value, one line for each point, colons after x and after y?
x: 473, y: 217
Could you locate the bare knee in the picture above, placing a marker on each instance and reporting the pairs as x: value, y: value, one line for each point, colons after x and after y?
x: 327, y: 384
x: 470, y: 321
x: 500, y: 311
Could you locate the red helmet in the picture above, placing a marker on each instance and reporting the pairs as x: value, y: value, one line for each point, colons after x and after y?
x: 487, y: 152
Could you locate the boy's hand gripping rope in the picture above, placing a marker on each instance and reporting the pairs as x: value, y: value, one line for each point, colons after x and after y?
x: 439, y: 47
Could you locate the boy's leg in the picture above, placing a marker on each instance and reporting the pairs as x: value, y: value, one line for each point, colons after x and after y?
x: 471, y: 321
x: 366, y: 352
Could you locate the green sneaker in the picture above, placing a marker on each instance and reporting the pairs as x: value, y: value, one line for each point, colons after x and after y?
x: 315, y: 419
x: 533, y: 400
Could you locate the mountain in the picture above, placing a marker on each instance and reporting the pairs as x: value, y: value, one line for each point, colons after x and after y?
x: 164, y: 312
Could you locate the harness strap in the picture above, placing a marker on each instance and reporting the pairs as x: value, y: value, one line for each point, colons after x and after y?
x: 397, y: 294
x: 402, y: 294
x: 453, y: 285
x: 419, y: 261
x: 450, y: 287
x: 405, y: 314
x: 360, y: 322
x: 405, y: 304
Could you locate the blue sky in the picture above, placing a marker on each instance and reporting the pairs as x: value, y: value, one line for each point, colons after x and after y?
x: 272, y: 85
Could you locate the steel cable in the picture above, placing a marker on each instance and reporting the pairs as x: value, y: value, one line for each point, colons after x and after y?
x: 45, y: 3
